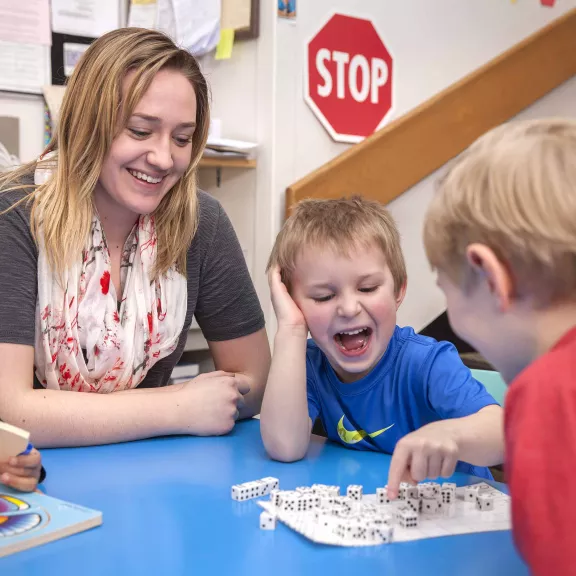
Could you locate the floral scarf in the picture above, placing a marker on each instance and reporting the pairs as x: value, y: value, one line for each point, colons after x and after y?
x: 83, y: 341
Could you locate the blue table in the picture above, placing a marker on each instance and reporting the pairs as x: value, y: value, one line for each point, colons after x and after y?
x: 167, y: 511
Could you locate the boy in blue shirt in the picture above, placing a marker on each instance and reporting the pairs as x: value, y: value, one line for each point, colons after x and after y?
x: 337, y: 271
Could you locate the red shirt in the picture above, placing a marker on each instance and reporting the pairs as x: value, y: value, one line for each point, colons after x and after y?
x: 540, y: 429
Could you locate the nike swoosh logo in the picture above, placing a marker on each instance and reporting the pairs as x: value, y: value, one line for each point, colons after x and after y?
x: 355, y: 436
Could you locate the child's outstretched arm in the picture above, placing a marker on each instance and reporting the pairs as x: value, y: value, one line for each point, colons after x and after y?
x: 434, y: 449
x: 284, y: 421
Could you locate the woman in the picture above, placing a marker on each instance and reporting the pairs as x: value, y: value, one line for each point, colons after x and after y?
x: 107, y: 250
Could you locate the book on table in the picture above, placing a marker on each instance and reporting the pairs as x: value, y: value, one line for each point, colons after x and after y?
x: 32, y: 519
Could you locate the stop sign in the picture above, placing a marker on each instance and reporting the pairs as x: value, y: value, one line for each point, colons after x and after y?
x: 348, y: 78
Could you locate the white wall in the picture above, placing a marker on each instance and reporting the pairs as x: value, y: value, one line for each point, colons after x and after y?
x: 433, y: 44
x: 233, y: 85
x: 424, y: 300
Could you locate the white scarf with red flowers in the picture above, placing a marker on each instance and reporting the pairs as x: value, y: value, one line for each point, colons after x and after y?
x: 83, y: 342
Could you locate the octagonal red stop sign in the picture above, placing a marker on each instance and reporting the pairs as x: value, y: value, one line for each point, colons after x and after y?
x: 348, y: 78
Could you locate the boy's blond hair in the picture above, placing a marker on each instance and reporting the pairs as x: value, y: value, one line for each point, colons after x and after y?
x: 340, y: 225
x: 513, y: 190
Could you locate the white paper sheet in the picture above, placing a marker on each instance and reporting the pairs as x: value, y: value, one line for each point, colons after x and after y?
x: 463, y: 519
x: 90, y: 18
x: 27, y: 22
x: 143, y: 14
x: 166, y: 22
x: 197, y: 24
x: 72, y: 54
x: 24, y: 67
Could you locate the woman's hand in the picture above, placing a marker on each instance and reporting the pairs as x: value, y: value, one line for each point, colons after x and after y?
x: 209, y: 404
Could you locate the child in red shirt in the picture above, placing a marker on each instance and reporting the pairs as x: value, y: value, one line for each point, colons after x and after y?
x: 501, y: 232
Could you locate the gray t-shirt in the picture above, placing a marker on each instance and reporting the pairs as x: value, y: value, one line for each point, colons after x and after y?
x: 220, y: 291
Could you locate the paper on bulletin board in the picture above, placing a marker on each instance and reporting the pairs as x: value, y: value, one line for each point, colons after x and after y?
x: 236, y: 14
x: 24, y: 67
x: 225, y: 44
x: 72, y: 54
x: 27, y: 22
x: 90, y: 18
x: 197, y: 24
x: 165, y: 20
x: 143, y: 14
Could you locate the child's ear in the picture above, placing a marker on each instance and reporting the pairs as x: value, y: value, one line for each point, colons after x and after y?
x: 493, y: 271
x: 401, y: 294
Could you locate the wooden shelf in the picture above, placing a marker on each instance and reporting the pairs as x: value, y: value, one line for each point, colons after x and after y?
x: 211, y: 162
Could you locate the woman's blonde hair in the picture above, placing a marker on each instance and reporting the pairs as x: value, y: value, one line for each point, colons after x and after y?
x: 340, y: 225
x: 513, y: 190
x: 93, y: 113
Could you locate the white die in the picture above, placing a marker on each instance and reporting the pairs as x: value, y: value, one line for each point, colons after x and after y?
x: 267, y: 521
x: 271, y: 483
x: 382, y: 495
x: 354, y: 491
x: 408, y: 518
x: 414, y: 504
x: 448, y: 496
x: 449, y: 486
x: 240, y: 492
x: 429, y: 506
x: 470, y: 493
x: 309, y: 501
x: 435, y: 488
x: 412, y: 492
x: 402, y: 490
x: 275, y: 497
x: 380, y: 532
x: 484, y: 502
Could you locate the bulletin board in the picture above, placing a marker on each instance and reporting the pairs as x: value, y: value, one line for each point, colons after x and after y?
x: 242, y: 16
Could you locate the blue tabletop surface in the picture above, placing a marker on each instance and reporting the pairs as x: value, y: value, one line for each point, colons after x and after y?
x: 167, y: 511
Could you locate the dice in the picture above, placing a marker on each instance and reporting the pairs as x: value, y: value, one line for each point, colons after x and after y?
x: 271, y: 483
x: 382, y: 496
x: 275, y: 497
x: 414, y: 504
x: 484, y: 502
x: 254, y: 489
x: 412, y: 492
x: 240, y: 493
x: 402, y: 490
x: 470, y: 493
x: 354, y: 491
x: 429, y: 506
x: 267, y: 521
x: 407, y: 518
x: 380, y: 533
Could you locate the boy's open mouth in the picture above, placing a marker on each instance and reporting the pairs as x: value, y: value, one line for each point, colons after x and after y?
x: 353, y: 341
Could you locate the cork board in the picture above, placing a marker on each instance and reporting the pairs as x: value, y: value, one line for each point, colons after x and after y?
x: 242, y: 16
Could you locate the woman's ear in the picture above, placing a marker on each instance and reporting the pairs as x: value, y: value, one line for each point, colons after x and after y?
x: 493, y: 272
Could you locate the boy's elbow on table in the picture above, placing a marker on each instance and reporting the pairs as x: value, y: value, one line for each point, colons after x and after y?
x: 284, y: 449
x: 287, y: 454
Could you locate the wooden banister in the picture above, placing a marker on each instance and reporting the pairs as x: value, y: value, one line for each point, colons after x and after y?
x: 410, y: 148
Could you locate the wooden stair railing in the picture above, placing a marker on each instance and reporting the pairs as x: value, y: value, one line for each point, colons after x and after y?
x: 410, y: 148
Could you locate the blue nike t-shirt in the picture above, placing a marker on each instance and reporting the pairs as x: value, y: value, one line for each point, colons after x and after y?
x: 417, y: 381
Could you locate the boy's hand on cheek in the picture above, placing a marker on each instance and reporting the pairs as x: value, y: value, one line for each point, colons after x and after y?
x: 22, y: 472
x: 429, y: 452
x: 287, y: 313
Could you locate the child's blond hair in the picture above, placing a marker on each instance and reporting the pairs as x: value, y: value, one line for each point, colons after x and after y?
x: 340, y: 225
x: 513, y: 190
